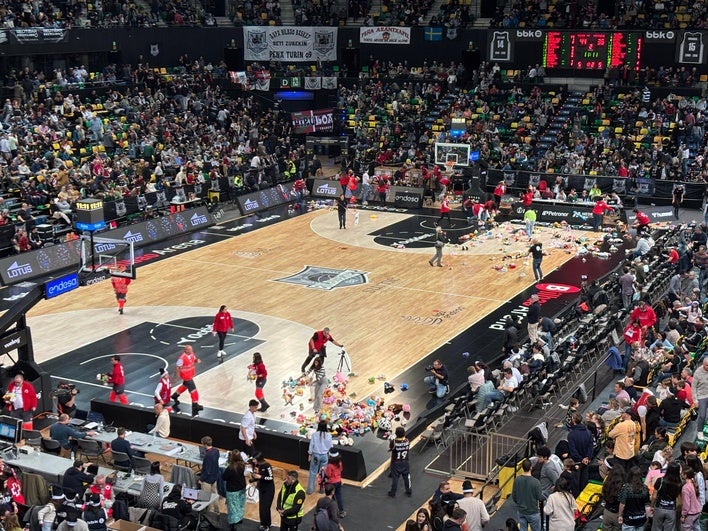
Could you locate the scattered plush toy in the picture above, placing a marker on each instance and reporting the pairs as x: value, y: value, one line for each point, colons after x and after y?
x: 288, y: 396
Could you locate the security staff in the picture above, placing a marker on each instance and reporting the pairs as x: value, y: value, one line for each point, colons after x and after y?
x: 290, y: 502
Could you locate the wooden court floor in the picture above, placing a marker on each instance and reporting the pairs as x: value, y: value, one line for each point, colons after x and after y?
x: 381, y: 322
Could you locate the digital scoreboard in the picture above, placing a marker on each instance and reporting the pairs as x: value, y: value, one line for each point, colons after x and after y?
x: 591, y: 50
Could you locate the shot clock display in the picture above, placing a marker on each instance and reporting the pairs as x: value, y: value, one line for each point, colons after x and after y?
x: 591, y: 50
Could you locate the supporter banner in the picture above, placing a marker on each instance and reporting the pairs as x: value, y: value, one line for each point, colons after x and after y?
x: 641, y: 187
x: 326, y: 188
x: 329, y: 83
x: 691, y: 47
x: 263, y: 199
x: 34, y: 35
x: 312, y: 121
x: 313, y: 83
x: 289, y: 44
x: 386, y: 35
x: 405, y: 197
x: 50, y: 260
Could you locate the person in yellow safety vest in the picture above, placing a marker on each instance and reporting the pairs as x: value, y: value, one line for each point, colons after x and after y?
x: 290, y: 502
x: 238, y: 181
x: 290, y: 169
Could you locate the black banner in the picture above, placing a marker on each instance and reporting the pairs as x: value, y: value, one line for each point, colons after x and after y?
x: 404, y: 197
x: 326, y: 188
x: 51, y: 260
x: 13, y: 340
x: 264, y: 199
x: 34, y: 35
x: 656, y: 214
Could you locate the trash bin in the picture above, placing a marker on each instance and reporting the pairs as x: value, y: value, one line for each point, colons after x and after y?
x: 509, y: 465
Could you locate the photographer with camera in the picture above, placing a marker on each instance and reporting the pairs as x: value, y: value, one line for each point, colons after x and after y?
x: 317, y: 346
x: 437, y: 380
x: 65, y: 394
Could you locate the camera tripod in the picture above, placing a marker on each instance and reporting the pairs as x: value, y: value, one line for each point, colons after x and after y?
x: 343, y: 362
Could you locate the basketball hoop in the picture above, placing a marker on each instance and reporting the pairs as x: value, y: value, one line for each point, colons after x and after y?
x: 450, y: 166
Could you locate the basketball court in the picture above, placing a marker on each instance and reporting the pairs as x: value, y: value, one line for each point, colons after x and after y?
x: 370, y: 284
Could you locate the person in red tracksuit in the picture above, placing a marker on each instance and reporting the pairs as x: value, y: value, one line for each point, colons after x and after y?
x: 186, y: 370
x: 163, y: 389
x: 261, y: 374
x: 120, y: 287
x: 299, y: 188
x: 317, y: 346
x: 21, y: 399
x: 222, y: 324
x: 642, y: 222
x: 382, y: 189
x: 445, y: 211
x: 117, y: 379
x: 598, y: 211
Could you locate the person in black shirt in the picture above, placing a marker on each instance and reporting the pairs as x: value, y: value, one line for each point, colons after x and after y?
x: 177, y: 507
x: 532, y: 317
x: 76, y: 479
x: 66, y: 398
x: 536, y: 251
x: 698, y: 238
x: 210, y: 467
x: 94, y: 515
x: 120, y: 444
x: 670, y: 410
x: 24, y: 216
x: 437, y: 381
x: 511, y: 333
x: 677, y: 199
x: 266, y: 490
x: 342, y: 211
x: 400, y: 466
x: 235, y: 481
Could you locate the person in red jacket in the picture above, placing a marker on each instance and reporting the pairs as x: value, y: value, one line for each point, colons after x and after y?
x: 299, y: 187
x: 641, y: 223
x: 222, y: 325
x: 21, y: 400
x: 163, y: 390
x: 444, y: 183
x: 333, y: 473
x: 499, y: 191
x: 117, y: 379
x: 317, y: 346
x: 527, y: 197
x: 598, y: 211
x: 632, y: 334
x: 344, y: 180
x: 382, y: 189
x: 261, y: 374
x: 120, y: 287
x: 646, y: 316
x: 186, y: 370
x: 445, y: 211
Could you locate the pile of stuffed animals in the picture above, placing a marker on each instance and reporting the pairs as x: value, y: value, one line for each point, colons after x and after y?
x: 347, y: 415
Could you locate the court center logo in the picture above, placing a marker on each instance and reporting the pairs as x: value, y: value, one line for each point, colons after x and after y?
x: 325, y: 278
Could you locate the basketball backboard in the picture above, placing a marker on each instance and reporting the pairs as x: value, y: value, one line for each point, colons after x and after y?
x: 108, y: 254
